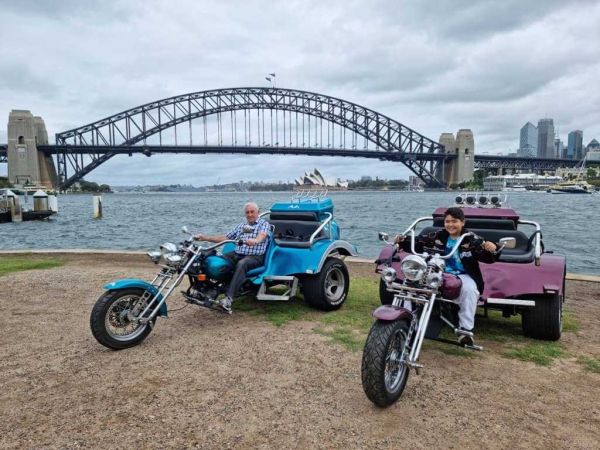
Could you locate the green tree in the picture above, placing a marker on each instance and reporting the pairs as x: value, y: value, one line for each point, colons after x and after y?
x: 4, y: 183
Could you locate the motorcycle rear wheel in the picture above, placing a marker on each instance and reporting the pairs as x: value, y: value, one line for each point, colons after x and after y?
x: 384, y: 370
x: 109, y: 323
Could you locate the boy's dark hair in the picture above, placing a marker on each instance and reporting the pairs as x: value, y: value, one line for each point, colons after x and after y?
x: 457, y: 213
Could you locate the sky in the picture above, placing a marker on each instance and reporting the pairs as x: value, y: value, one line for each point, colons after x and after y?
x: 435, y: 66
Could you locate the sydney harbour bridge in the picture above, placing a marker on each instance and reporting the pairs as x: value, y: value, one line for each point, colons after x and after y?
x: 241, y: 120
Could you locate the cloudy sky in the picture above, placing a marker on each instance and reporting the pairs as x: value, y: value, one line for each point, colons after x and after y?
x: 434, y: 66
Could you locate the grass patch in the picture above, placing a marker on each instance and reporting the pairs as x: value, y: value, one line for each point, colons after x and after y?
x: 277, y: 312
x: 9, y: 264
x: 540, y: 353
x: 451, y: 350
x: 589, y: 363
x: 569, y: 324
x: 350, y: 325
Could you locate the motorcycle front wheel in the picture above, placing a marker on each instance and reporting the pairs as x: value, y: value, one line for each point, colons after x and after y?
x: 110, y: 322
x: 384, y: 370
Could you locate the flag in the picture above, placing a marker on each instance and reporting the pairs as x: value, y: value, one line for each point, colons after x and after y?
x: 272, y: 74
x: 267, y: 78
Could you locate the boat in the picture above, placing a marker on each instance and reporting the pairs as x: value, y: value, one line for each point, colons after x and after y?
x: 572, y: 187
x: 515, y: 188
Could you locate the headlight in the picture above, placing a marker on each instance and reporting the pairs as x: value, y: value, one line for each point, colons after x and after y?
x: 388, y: 274
x: 154, y: 256
x: 434, y: 280
x: 168, y: 249
x: 173, y: 260
x: 414, y: 267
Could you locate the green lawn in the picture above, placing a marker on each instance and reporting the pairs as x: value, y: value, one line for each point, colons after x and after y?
x: 10, y: 264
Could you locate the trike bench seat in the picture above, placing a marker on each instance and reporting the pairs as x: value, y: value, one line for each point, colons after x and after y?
x: 522, y: 253
x: 295, y: 233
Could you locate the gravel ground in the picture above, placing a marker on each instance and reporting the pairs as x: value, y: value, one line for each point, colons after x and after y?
x: 207, y: 380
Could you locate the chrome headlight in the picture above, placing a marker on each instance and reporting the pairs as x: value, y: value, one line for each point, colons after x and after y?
x: 435, y: 280
x: 388, y: 274
x: 414, y: 267
x: 168, y: 249
x: 173, y: 260
x: 154, y: 256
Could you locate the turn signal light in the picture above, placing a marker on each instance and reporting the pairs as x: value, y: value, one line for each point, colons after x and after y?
x: 201, y: 277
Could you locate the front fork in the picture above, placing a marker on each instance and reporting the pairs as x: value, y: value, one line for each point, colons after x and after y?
x: 419, y: 328
x: 161, y: 282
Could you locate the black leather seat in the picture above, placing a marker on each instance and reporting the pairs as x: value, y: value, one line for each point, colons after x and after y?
x: 295, y: 233
x: 524, y: 251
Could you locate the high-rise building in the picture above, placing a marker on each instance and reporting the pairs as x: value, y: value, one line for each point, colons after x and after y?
x: 545, y: 144
x: 528, y: 140
x: 560, y: 151
x: 575, y: 145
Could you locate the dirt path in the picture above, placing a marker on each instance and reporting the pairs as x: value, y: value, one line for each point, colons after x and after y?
x: 208, y: 380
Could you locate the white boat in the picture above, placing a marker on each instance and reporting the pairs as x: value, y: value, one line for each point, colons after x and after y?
x: 516, y: 188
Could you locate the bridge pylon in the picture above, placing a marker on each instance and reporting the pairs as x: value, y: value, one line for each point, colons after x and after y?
x: 461, y: 168
x: 26, y: 164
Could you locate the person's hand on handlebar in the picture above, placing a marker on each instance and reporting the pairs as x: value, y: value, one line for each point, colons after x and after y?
x: 399, y: 239
x: 489, y: 246
x: 199, y: 237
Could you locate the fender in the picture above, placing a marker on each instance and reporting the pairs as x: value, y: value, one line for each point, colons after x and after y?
x: 390, y: 313
x: 342, y: 247
x: 136, y: 283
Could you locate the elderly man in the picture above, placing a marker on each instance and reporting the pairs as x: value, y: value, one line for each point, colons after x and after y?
x: 249, y: 255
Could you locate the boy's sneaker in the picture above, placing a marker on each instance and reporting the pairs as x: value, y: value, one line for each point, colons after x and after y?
x: 225, y: 303
x: 465, y: 337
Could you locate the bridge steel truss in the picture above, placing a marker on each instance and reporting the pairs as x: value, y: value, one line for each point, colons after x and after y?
x: 532, y: 165
x: 129, y: 130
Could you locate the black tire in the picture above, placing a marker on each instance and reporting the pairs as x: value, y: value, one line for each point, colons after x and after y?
x: 384, y: 338
x: 385, y: 297
x: 544, y: 320
x: 98, y: 320
x: 328, y: 289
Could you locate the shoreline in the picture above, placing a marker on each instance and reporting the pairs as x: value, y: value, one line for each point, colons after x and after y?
x: 83, y: 251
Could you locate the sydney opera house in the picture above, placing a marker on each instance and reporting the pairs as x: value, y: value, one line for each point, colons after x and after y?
x: 316, y: 181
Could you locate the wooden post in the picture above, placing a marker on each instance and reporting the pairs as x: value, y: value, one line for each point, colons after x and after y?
x: 97, y: 207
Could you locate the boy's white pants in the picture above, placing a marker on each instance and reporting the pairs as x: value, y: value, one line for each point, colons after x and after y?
x: 467, y: 300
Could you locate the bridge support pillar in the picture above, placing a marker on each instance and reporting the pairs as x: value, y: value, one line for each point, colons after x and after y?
x: 27, y: 165
x: 461, y: 168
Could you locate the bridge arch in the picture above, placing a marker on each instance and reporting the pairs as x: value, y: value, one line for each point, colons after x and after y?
x: 102, y: 139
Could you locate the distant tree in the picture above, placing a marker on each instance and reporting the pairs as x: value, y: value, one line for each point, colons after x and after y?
x: 4, y: 183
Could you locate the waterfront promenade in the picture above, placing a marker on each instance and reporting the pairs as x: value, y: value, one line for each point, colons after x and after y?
x: 208, y: 380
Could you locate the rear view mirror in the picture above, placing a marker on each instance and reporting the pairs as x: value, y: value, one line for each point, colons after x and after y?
x: 184, y: 229
x: 383, y: 236
x: 508, y: 242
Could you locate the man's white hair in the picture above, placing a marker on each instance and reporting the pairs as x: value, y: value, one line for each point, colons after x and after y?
x: 250, y: 204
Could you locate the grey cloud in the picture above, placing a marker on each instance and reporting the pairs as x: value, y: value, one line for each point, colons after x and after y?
x: 488, y: 66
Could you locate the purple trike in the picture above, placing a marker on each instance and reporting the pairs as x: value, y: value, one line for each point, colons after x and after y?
x: 418, y: 299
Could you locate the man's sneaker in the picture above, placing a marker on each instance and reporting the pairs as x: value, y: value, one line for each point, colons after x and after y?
x: 465, y: 337
x: 225, y: 303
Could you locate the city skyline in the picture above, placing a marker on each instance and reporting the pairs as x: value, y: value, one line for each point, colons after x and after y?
x: 436, y: 70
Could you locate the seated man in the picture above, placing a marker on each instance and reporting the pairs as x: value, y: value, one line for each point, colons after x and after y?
x: 249, y: 255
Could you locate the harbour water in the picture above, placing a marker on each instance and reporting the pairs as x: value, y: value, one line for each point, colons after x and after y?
x: 136, y: 221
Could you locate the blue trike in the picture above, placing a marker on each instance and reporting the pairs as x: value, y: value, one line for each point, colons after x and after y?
x: 304, y: 252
